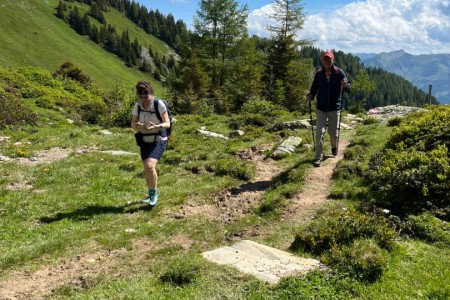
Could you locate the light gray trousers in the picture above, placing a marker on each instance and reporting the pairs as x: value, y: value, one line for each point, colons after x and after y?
x: 333, y: 120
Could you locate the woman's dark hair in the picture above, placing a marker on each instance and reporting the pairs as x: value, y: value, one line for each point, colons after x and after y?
x: 145, y: 84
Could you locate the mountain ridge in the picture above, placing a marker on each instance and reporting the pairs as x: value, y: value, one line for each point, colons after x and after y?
x: 421, y: 70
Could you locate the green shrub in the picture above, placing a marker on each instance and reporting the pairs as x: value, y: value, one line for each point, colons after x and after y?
x: 362, y: 259
x: 92, y: 112
x: 340, y: 227
x: 37, y: 75
x: 119, y: 110
x: 371, y: 120
x: 45, y: 102
x: 70, y: 70
x: 258, y: 120
x: 261, y: 107
x: 347, y: 169
x: 14, y: 112
x: 395, y: 121
x: 428, y: 227
x: 423, y: 130
x: 411, y: 181
x: 314, y: 285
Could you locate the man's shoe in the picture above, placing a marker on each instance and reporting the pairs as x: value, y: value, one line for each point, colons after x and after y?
x: 334, y: 151
x: 316, y: 163
x: 152, y: 198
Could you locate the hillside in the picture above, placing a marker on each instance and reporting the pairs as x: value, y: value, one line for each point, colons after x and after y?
x: 420, y: 70
x: 31, y: 35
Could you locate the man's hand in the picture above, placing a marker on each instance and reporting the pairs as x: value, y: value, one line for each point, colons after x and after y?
x: 344, y: 83
x: 309, y: 97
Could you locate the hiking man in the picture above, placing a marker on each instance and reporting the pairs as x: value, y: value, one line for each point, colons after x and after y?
x: 151, y: 134
x: 328, y: 85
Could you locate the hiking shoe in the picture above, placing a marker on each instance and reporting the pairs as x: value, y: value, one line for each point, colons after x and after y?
x: 316, y: 163
x: 334, y: 151
x: 152, y: 198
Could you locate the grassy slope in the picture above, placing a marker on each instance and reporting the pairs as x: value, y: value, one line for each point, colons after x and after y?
x: 31, y: 35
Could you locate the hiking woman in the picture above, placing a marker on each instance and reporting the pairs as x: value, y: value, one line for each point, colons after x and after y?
x: 328, y: 85
x: 150, y: 134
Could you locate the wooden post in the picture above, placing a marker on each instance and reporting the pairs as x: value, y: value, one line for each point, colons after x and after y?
x: 429, y: 93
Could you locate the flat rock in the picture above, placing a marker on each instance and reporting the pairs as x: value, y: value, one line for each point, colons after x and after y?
x: 264, y: 262
x: 288, y: 146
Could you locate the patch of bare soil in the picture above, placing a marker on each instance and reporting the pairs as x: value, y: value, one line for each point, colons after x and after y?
x: 234, y: 203
x: 81, y: 271
x: 57, y: 153
x: 75, y: 272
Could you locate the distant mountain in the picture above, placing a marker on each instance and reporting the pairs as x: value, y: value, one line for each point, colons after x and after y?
x: 420, y: 70
x: 365, y: 56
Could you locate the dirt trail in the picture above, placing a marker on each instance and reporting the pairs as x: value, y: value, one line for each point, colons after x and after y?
x: 228, y: 207
x: 316, y: 189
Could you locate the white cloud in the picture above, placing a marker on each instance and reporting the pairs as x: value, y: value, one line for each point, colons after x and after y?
x: 258, y: 21
x: 416, y: 26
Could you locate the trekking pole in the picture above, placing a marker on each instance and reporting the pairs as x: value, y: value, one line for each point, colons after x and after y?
x: 312, y: 127
x: 340, y: 114
x: 339, y: 128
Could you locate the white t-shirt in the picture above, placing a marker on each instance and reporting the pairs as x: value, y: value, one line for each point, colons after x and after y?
x: 149, y: 115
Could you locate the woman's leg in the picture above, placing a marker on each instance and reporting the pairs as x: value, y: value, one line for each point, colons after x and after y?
x: 151, y: 176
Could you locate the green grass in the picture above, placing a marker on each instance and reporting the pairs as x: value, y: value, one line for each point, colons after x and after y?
x: 31, y: 35
x: 416, y: 271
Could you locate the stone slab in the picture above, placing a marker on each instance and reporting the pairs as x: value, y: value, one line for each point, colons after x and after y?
x: 264, y: 262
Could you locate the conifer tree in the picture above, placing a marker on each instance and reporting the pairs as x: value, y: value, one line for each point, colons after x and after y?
x: 219, y: 23
x: 287, y: 20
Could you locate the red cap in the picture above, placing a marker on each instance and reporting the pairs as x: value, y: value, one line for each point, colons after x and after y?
x: 329, y: 54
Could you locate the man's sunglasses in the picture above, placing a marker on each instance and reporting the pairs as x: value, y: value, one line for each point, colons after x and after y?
x: 143, y: 91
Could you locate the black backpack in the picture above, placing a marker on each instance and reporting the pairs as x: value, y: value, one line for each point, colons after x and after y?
x: 164, y: 131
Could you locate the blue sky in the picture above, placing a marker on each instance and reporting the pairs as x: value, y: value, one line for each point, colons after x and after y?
x: 364, y: 26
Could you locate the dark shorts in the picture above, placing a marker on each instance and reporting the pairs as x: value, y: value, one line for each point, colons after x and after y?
x: 153, y: 150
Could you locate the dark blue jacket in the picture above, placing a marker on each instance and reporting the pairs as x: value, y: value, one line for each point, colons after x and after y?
x: 328, y: 92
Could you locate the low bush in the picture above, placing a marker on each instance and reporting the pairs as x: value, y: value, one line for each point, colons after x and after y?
x: 261, y: 107
x: 370, y: 120
x: 362, y: 259
x: 429, y: 228
x: 92, y: 112
x: 258, y: 120
x: 423, y: 130
x: 314, y: 285
x: 412, y: 173
x: 14, y: 112
x: 70, y: 70
x: 340, y: 227
x: 395, y: 121
x: 411, y: 181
